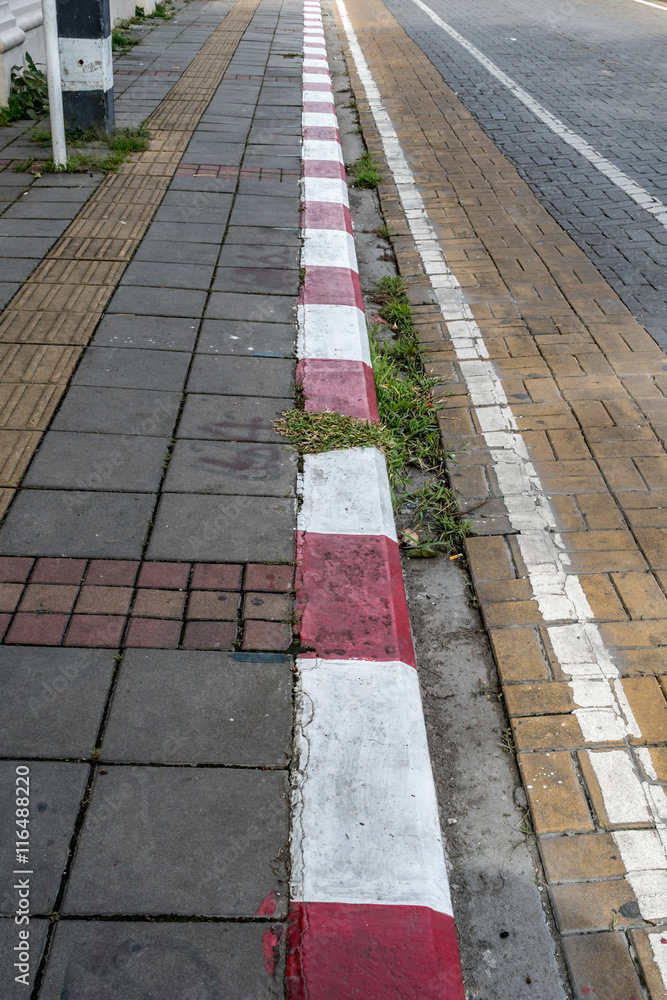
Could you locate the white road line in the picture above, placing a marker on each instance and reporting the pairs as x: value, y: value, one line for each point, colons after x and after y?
x: 635, y: 191
x: 605, y: 713
x: 659, y: 6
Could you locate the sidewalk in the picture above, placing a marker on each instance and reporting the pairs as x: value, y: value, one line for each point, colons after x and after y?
x: 147, y: 555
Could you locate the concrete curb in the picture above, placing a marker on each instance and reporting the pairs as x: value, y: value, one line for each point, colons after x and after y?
x: 371, y: 913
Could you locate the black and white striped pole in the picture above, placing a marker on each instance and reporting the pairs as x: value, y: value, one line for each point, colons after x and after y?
x: 49, y: 17
x: 84, y: 27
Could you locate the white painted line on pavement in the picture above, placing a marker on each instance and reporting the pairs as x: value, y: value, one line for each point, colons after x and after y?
x: 605, y: 713
x: 365, y: 826
x: 635, y: 191
x: 659, y: 6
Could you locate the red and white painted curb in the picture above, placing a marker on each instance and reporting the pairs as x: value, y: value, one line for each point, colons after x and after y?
x: 371, y: 915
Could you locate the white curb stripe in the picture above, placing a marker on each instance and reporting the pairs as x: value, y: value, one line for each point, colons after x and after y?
x: 335, y: 332
x: 559, y: 594
x: 326, y: 189
x: 315, y: 119
x: 322, y: 149
x: 317, y: 97
x: 347, y: 493
x: 328, y: 248
x: 366, y: 826
x: 635, y: 191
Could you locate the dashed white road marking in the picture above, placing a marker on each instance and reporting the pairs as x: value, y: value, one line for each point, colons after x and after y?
x: 648, y: 3
x: 605, y: 713
x: 635, y: 191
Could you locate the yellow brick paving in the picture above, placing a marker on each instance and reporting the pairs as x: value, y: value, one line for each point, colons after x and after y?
x: 588, y: 387
x: 51, y: 318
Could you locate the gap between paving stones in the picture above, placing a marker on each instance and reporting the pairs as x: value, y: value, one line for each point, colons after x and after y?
x: 447, y: 216
x: 52, y: 317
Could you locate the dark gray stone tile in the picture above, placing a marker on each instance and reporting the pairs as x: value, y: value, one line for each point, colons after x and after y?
x: 192, y: 200
x: 26, y: 209
x: 118, y: 411
x: 73, y: 196
x: 287, y: 188
x: 185, y: 232
x: 234, y: 376
x: 250, y: 210
x: 61, y: 692
x: 198, y: 184
x: 32, y: 227
x: 9, y: 938
x: 147, y: 860
x: 25, y: 246
x: 149, y: 301
x: 162, y: 333
x: 177, y: 252
x: 68, y: 180
x: 233, y: 529
x: 69, y: 523
x: 265, y: 340
x: 183, y: 707
x: 18, y: 269
x: 258, y: 256
x: 226, y: 467
x: 162, y: 275
x: 202, y: 150
x: 231, y: 418
x: 262, y: 308
x: 8, y: 290
x: 77, y: 461
x: 135, y: 960
x: 199, y: 215
x: 131, y: 369
x: 55, y: 793
x: 265, y: 236
x: 273, y: 280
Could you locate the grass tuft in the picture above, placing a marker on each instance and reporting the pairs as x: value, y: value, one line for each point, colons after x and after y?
x: 313, y: 432
x: 365, y: 172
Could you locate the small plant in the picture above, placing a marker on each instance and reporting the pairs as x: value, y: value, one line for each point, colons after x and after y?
x: 121, y: 142
x: 507, y: 741
x: 139, y: 13
x: 384, y: 232
x: 28, y: 96
x: 161, y: 11
x: 365, y: 172
x: 120, y: 42
x: 314, y: 432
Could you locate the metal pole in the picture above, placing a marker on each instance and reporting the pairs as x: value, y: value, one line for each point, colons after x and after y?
x: 53, y: 79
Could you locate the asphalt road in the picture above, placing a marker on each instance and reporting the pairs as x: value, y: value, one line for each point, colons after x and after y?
x: 600, y: 68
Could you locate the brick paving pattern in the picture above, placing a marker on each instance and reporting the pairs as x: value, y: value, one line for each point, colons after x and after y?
x: 586, y: 384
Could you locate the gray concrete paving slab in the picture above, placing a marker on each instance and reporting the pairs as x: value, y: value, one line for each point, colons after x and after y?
x: 250, y: 210
x: 138, y: 864
x: 152, y: 301
x: 118, y: 411
x: 268, y: 340
x: 56, y: 209
x: 263, y: 235
x: 63, y: 692
x: 186, y: 232
x: 260, y: 280
x: 128, y: 369
x: 55, y: 793
x: 25, y: 246
x: 262, y: 308
x: 187, y: 707
x: 233, y: 376
x: 224, y: 467
x: 77, y: 523
x: 223, y: 529
x: 17, y: 269
x: 163, y: 275
x: 162, y: 333
x: 8, y: 290
x: 85, y: 461
x: 231, y: 418
x: 177, y: 252
x: 202, y: 213
x: 35, y: 228
x: 256, y: 255
x: 132, y: 960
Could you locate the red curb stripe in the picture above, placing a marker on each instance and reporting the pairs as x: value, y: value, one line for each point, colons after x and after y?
x: 340, y: 386
x: 327, y: 215
x: 319, y: 107
x: 351, y: 597
x: 325, y: 133
x: 331, y: 286
x: 323, y: 168
x: 340, y: 951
